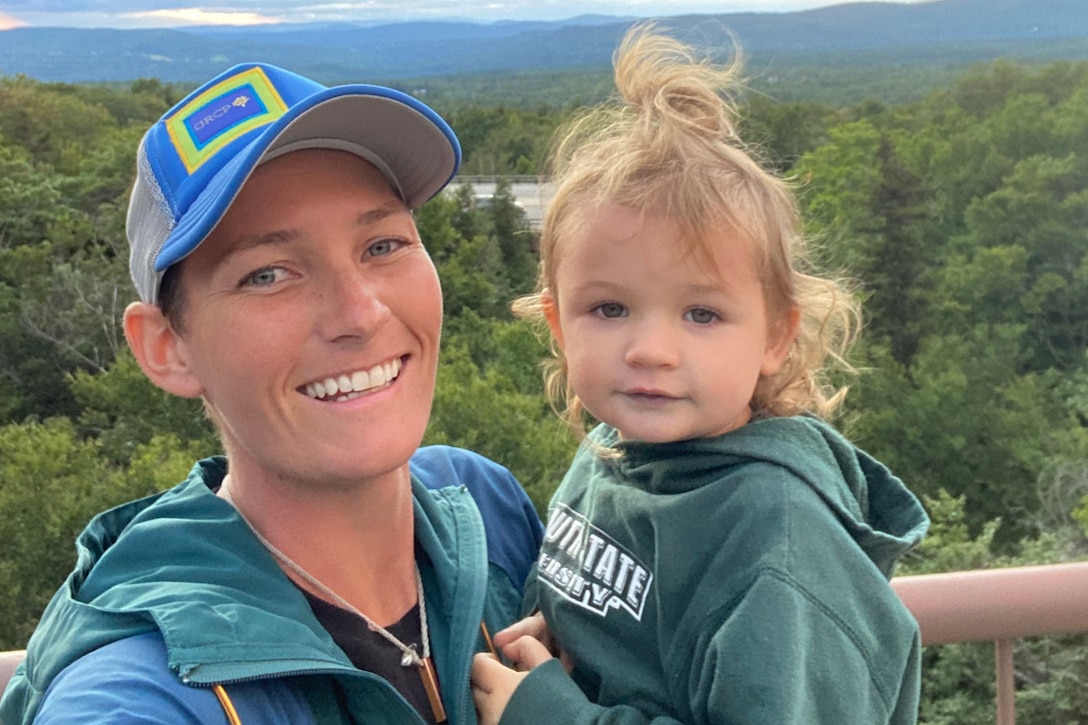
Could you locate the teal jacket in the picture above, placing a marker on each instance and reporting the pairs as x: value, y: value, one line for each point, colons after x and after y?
x: 172, y: 595
x: 727, y: 580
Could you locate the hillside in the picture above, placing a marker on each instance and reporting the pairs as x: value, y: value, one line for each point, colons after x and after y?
x: 861, y: 33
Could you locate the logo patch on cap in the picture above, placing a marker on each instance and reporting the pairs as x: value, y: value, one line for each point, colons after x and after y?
x: 221, y: 114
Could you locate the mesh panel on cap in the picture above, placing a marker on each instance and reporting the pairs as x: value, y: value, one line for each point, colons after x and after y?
x: 149, y: 223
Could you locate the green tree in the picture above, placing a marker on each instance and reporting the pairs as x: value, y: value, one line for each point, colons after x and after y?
x: 784, y: 132
x: 463, y: 216
x: 481, y: 409
x: 51, y: 483
x: 510, y: 230
x: 31, y: 367
x: 481, y: 249
x: 122, y: 410
x: 51, y: 121
x: 29, y: 197
x: 503, y: 140
x: 63, y: 275
x: 1040, y: 209
x: 434, y: 222
x: 867, y: 207
x: 962, y: 419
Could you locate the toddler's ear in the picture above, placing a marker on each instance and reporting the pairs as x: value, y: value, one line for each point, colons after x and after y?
x: 160, y: 351
x: 551, y: 314
x: 779, y: 341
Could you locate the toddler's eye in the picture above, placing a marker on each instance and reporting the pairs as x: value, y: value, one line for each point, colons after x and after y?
x: 701, y: 316
x: 611, y: 309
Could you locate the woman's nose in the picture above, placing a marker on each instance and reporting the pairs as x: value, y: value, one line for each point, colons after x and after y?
x: 353, y: 306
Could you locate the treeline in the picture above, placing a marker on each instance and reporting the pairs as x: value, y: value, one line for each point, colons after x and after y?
x: 962, y: 217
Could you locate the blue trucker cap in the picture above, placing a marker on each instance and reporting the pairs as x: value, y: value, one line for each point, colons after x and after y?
x: 193, y: 161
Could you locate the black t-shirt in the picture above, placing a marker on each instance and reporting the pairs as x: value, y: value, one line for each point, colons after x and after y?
x: 372, y: 652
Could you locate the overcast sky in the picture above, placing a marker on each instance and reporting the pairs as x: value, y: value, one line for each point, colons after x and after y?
x: 168, y: 13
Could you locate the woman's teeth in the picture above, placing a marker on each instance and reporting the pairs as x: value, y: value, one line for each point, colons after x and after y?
x: 354, y: 385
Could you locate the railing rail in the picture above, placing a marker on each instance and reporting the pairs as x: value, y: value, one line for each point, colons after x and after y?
x: 494, y: 179
x: 999, y: 605
x: 8, y: 662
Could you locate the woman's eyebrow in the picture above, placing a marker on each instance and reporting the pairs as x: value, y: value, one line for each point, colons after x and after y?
x: 374, y: 216
x: 281, y: 237
x: 246, y: 242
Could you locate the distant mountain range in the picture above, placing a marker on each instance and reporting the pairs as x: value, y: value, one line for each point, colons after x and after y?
x: 348, y: 52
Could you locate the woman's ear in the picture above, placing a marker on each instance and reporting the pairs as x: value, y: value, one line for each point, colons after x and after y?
x: 780, y: 340
x: 551, y: 314
x: 159, y: 350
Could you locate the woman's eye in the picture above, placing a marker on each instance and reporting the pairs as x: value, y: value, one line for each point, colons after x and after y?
x: 611, y: 309
x: 701, y: 316
x: 264, y: 277
x: 384, y: 247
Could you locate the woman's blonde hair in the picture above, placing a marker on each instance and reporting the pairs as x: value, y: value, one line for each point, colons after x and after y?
x: 669, y: 147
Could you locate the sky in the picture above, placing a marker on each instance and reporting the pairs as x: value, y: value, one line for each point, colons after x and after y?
x: 174, y: 13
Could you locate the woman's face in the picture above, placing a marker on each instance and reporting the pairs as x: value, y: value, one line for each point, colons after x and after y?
x: 312, y: 322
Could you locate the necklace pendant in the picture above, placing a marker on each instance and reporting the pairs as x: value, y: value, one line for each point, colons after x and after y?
x: 430, y: 686
x: 411, y: 657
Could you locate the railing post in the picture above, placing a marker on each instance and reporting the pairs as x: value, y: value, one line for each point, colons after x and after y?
x: 1006, y: 682
x: 999, y: 606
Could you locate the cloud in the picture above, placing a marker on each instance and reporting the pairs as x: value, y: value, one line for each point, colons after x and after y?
x: 199, y: 16
x: 7, y: 22
x: 167, y: 13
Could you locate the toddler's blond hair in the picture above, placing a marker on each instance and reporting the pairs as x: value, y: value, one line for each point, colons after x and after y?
x: 669, y: 147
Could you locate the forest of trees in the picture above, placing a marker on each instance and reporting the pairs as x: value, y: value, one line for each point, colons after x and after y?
x: 963, y: 217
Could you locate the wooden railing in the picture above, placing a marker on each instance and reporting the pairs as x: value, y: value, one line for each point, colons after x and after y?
x: 8, y: 662
x: 999, y: 605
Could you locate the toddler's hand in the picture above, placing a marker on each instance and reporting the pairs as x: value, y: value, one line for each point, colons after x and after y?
x: 493, y: 683
x: 532, y: 626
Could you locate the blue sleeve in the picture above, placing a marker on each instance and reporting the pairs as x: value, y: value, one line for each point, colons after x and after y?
x: 514, y: 530
x: 128, y: 683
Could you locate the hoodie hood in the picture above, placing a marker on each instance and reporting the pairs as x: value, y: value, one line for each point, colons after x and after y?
x: 876, y: 507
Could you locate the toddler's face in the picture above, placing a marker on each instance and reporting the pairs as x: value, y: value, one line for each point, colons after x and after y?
x: 659, y: 345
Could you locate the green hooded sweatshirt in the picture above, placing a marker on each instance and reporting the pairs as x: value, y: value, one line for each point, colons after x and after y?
x: 736, y: 579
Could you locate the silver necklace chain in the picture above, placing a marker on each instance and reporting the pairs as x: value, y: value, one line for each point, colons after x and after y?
x: 411, y: 657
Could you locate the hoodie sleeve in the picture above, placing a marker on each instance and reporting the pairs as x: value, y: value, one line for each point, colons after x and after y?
x: 783, y: 656
x: 796, y: 626
x: 548, y: 689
